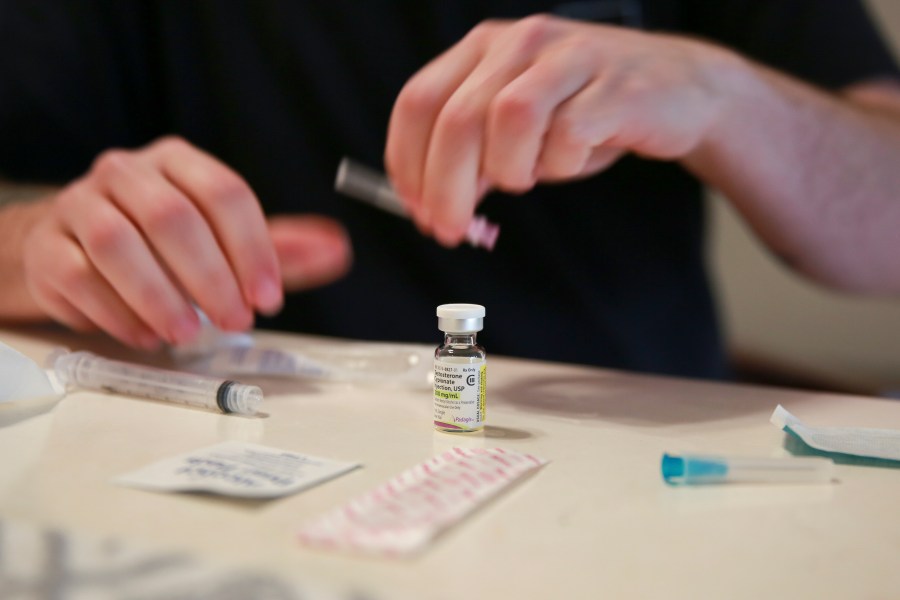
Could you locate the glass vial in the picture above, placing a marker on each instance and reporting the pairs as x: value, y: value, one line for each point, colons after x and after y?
x: 460, y: 370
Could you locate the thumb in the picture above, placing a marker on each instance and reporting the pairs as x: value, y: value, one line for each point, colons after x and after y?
x: 312, y: 250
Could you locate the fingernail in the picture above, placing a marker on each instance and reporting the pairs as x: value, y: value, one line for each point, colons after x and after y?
x: 268, y: 297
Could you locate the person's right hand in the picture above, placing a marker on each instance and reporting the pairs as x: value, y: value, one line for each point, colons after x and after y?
x: 131, y: 245
x: 546, y: 99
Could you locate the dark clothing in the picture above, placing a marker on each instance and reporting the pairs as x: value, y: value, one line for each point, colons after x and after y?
x: 607, y: 271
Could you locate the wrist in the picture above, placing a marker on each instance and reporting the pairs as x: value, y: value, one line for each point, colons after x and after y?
x: 735, y: 86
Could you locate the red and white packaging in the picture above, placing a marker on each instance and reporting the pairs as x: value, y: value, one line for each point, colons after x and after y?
x: 400, y: 517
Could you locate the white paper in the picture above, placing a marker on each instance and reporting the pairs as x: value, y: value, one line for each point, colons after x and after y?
x: 237, y: 469
x: 870, y: 443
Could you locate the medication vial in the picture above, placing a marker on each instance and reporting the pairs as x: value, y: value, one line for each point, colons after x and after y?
x: 460, y: 370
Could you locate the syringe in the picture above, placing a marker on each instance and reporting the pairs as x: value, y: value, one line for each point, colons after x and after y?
x: 360, y: 182
x: 86, y: 370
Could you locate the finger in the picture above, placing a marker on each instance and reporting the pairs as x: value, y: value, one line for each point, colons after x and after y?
x: 66, y: 313
x: 104, y: 310
x: 416, y: 110
x: 580, y: 124
x: 82, y: 299
x: 234, y: 214
x: 454, y: 160
x: 177, y: 232
x: 520, y: 116
x: 62, y: 310
x: 113, y: 247
x: 600, y: 159
x: 44, y: 252
x: 313, y: 251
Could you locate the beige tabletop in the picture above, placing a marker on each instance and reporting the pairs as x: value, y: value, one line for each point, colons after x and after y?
x: 596, y: 522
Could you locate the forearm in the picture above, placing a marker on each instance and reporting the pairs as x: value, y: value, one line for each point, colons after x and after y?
x: 20, y: 208
x: 816, y: 175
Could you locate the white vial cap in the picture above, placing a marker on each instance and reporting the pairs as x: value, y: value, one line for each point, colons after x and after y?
x: 460, y: 318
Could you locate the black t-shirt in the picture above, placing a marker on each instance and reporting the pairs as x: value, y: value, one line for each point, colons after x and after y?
x: 606, y: 271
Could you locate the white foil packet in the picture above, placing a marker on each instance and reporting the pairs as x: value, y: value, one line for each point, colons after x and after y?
x: 236, y: 469
x: 401, y: 516
x: 869, y: 443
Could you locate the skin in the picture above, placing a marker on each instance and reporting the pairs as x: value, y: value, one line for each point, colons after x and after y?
x: 545, y: 99
x: 513, y: 104
x: 129, y: 246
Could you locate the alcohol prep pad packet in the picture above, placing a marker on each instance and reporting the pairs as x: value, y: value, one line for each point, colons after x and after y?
x: 869, y: 443
x: 237, y: 469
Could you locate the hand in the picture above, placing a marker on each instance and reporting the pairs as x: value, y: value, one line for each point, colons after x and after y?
x: 312, y: 250
x: 128, y: 247
x: 543, y: 99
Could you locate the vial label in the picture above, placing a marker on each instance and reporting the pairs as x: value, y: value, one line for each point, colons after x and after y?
x: 459, y: 393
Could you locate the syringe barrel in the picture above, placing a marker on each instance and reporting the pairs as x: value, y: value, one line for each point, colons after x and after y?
x: 359, y: 181
x: 86, y: 370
